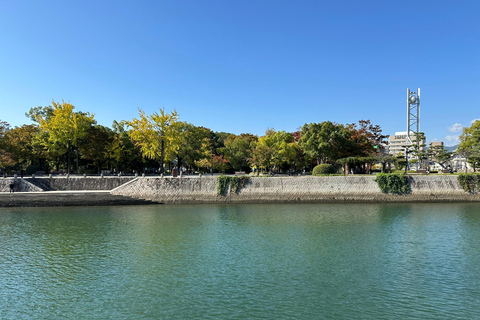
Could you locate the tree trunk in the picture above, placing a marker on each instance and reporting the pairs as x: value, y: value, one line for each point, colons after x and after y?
x: 162, y: 155
x: 68, y: 161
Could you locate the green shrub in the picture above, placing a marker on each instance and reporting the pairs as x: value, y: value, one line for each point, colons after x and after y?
x: 470, y: 182
x: 322, y: 169
x: 393, y: 183
x: 236, y: 183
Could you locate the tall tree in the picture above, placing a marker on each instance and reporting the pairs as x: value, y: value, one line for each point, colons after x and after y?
x: 367, y: 139
x: 238, y: 150
x: 19, y: 141
x: 474, y: 161
x: 157, y: 135
x: 6, y: 159
x: 277, y: 150
x: 469, y: 141
x: 440, y: 155
x: 61, y: 131
x: 191, y: 143
x: 95, y: 151
x: 325, y: 141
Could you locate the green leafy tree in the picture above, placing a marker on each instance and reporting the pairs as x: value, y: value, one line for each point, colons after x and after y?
x: 191, y: 143
x: 157, y: 135
x: 417, y: 149
x: 43, y: 112
x: 99, y: 138
x: 474, y: 161
x: 386, y: 161
x: 20, y: 143
x: 6, y: 159
x: 276, y: 150
x: 440, y: 155
x: 63, y: 130
x: 238, y: 150
x: 469, y: 141
x: 121, y: 152
x: 325, y: 141
x: 219, y: 140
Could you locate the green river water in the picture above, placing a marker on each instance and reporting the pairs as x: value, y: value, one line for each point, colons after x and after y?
x: 299, y: 261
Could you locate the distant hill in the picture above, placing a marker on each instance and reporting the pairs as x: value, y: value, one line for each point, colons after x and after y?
x: 452, y: 148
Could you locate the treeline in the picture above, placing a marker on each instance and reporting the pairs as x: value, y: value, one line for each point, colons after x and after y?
x: 65, y: 140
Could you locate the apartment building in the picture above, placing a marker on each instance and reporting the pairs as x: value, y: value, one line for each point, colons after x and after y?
x: 397, y: 142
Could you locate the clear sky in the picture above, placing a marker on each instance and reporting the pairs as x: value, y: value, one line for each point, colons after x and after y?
x: 245, y: 66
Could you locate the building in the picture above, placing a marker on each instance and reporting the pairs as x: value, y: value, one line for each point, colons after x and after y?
x: 435, y: 144
x: 397, y: 143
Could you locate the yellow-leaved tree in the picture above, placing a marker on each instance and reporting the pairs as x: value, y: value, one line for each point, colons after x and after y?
x: 62, y: 130
x: 157, y: 135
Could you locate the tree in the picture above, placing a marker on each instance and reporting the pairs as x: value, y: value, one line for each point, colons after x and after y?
x: 157, y: 135
x: 121, y: 152
x: 474, y: 161
x: 386, y: 161
x: 469, y: 141
x: 19, y: 141
x: 6, y: 159
x: 44, y: 112
x: 190, y: 144
x: 325, y: 141
x: 95, y: 151
x: 440, y: 155
x: 62, y: 130
x: 417, y: 148
x: 367, y: 139
x: 219, y: 140
x: 276, y: 150
x: 238, y: 150
x: 400, y: 162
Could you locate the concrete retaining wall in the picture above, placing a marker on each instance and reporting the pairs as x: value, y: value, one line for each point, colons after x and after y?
x: 19, y: 185
x: 257, y: 189
x: 78, y: 183
x: 293, y: 189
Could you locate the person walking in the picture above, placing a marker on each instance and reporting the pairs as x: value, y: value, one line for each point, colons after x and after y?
x: 12, y: 187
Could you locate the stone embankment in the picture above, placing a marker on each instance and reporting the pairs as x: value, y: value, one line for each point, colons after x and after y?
x: 293, y: 189
x: 64, y: 191
x: 67, y: 191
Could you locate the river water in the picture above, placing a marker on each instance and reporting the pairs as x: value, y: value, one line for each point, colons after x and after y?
x: 299, y: 261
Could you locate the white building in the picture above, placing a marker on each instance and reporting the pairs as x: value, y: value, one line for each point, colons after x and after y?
x: 397, y: 142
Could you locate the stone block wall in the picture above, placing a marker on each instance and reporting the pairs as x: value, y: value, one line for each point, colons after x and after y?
x: 293, y: 189
x: 20, y: 185
x: 78, y: 183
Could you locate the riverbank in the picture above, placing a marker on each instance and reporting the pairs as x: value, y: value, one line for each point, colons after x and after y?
x: 330, y: 189
x: 87, y: 191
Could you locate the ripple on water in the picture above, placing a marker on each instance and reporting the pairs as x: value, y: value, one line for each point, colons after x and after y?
x: 241, y: 262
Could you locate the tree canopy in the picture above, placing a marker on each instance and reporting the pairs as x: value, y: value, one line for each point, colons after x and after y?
x: 62, y: 130
x: 157, y: 135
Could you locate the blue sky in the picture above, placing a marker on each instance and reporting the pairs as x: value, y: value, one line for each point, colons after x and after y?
x: 245, y: 66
